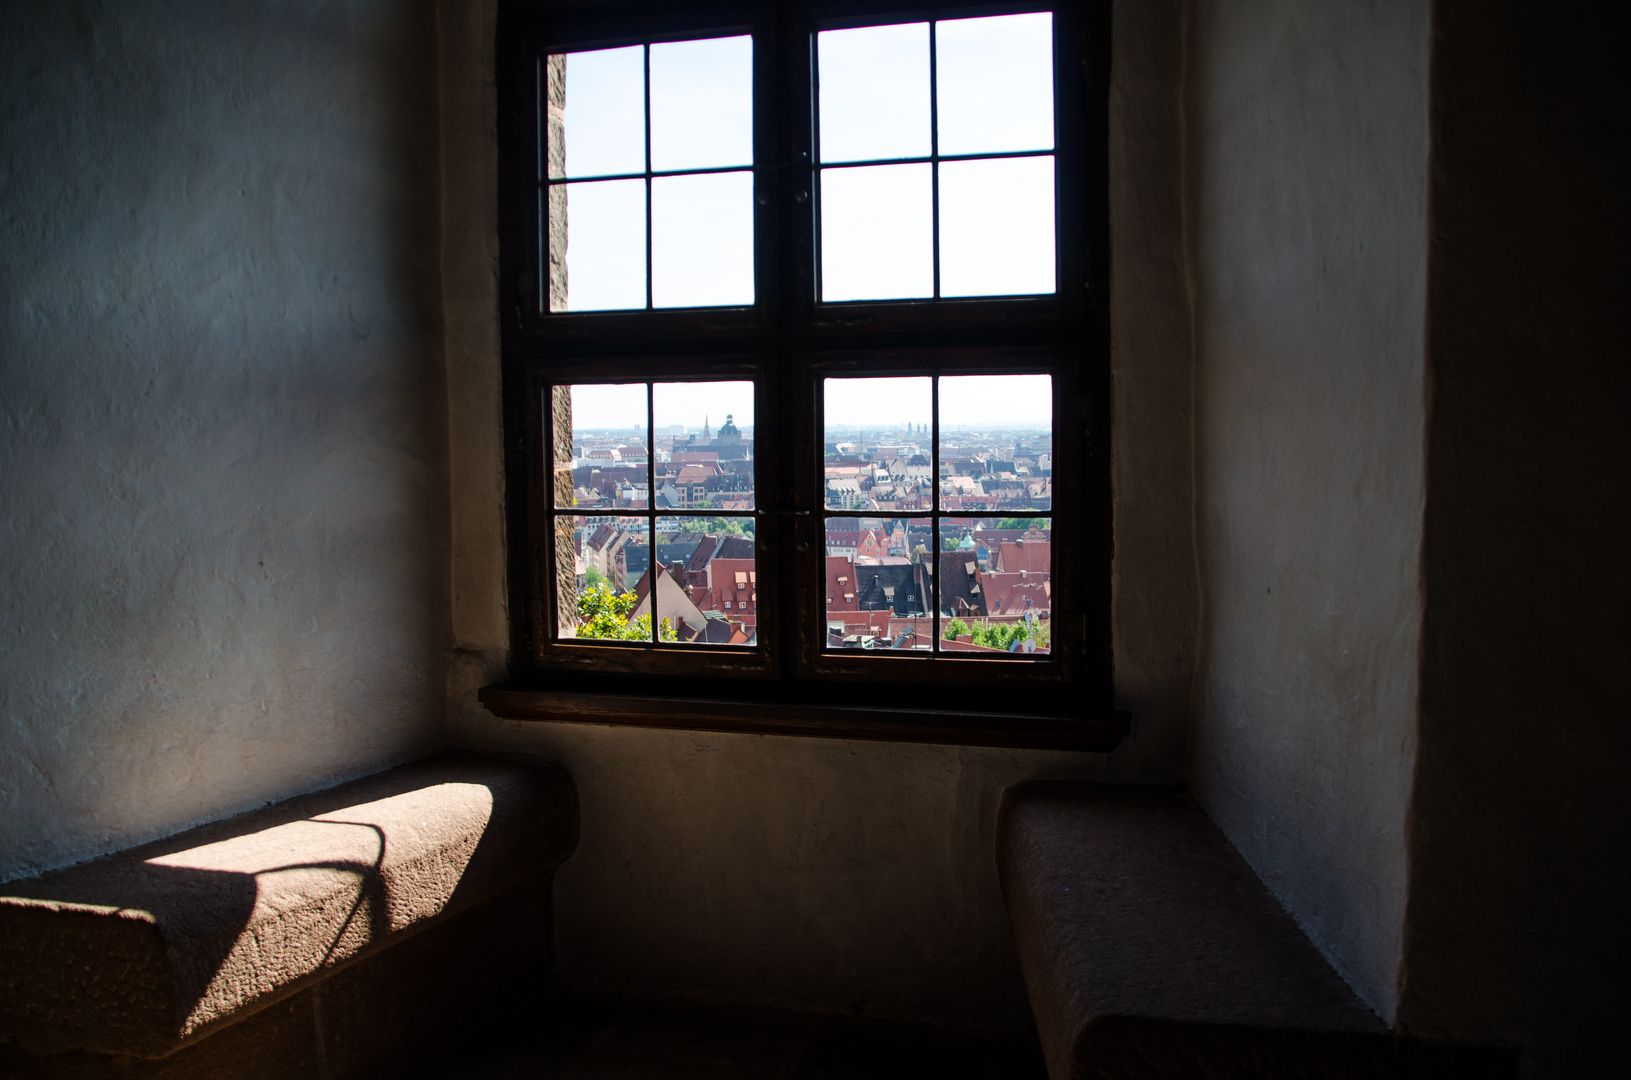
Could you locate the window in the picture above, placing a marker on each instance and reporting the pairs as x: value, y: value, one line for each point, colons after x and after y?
x: 648, y: 188
x: 808, y: 300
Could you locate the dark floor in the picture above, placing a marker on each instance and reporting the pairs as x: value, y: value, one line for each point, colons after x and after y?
x: 590, y: 1040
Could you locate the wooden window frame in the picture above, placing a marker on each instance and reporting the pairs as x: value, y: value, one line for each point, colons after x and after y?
x: 786, y: 343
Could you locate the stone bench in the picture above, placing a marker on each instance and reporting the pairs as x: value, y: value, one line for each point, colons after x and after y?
x: 1150, y: 949
x: 329, y: 935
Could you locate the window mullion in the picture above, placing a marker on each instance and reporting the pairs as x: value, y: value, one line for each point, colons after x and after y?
x: 934, y: 509
x: 651, y: 480
x: 809, y: 75
x: 646, y: 90
x: 798, y: 280
x: 934, y: 157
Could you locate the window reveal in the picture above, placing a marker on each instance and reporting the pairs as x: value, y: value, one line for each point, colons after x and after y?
x: 922, y: 525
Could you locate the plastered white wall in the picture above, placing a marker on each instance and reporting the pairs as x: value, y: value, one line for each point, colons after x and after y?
x: 222, y: 423
x: 814, y: 874
x: 1308, y: 177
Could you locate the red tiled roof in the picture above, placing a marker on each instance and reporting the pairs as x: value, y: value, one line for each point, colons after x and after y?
x: 840, y: 584
x: 1012, y: 594
x: 1035, y: 556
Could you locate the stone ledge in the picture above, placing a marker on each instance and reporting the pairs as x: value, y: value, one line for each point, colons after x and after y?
x: 147, y: 950
x: 1150, y: 949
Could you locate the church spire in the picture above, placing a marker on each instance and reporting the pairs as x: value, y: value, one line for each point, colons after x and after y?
x: 705, y: 435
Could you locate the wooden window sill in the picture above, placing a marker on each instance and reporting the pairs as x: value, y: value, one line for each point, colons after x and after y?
x: 1097, y: 734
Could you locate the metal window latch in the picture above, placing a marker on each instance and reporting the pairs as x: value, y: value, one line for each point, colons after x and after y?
x: 802, y: 159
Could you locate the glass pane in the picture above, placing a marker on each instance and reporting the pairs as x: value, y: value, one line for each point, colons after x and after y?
x: 996, y: 585
x: 712, y: 597
x: 702, y: 103
x: 996, y: 227
x: 874, y: 92
x: 702, y: 240
x: 994, y: 78
x: 704, y: 463
x: 609, y: 555
x: 597, y: 112
x: 996, y: 443
x: 877, y: 233
x: 878, y: 444
x: 597, y: 246
x: 608, y: 450
x: 879, y: 583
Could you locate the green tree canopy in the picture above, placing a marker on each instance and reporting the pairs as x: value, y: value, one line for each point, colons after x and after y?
x: 722, y: 526
x: 999, y: 635
x: 604, y: 614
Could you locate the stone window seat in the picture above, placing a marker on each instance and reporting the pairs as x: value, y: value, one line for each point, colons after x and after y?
x: 1151, y: 949
x: 156, y: 952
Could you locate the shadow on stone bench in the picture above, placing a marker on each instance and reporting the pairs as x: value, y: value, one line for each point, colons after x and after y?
x: 1150, y: 949
x: 336, y: 934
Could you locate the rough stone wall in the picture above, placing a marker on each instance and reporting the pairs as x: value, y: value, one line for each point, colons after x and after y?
x: 1308, y: 172
x: 566, y: 564
x: 222, y: 425
x: 555, y: 161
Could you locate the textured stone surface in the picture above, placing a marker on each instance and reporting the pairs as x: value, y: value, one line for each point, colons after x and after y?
x: 1308, y: 173
x: 555, y: 155
x: 1151, y: 950
x: 376, y: 1017
x: 143, y: 950
x: 223, y: 558
x: 1128, y: 904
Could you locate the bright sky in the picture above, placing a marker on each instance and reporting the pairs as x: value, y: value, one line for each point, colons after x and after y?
x: 994, y: 94
x: 982, y: 402
x: 598, y: 408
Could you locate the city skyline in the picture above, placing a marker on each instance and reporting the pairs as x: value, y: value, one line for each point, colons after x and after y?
x: 967, y: 403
